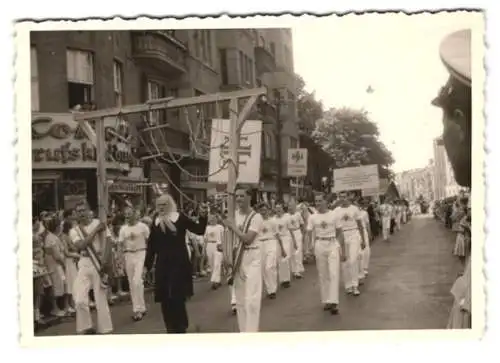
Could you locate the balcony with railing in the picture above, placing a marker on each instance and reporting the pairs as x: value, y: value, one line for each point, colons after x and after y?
x: 160, y: 50
x: 166, y: 141
x: 264, y: 61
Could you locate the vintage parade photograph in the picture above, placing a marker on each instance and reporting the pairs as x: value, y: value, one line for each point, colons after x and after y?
x: 314, y: 174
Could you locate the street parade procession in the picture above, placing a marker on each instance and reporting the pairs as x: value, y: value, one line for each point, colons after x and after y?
x: 326, y: 254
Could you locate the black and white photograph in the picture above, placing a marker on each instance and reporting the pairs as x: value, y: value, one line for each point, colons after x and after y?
x: 248, y: 175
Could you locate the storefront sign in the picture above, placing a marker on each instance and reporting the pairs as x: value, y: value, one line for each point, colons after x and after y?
x: 125, y: 187
x: 58, y: 142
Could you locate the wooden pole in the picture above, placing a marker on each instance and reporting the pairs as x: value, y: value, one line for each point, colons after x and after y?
x: 232, y: 171
x: 102, y: 185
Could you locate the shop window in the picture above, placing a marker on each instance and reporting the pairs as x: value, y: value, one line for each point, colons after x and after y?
x: 80, y: 75
x: 44, y: 196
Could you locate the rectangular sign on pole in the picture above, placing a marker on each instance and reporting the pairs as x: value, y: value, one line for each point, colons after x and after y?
x: 297, y: 162
x: 355, y: 178
x: 249, y: 152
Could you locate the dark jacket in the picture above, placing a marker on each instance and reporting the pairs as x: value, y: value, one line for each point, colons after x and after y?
x: 173, y: 270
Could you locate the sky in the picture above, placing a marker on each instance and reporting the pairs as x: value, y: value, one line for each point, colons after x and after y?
x: 398, y: 56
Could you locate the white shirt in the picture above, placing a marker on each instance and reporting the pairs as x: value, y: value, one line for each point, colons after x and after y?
x: 366, y: 218
x: 76, y: 234
x: 268, y: 231
x: 295, y: 221
x: 282, y: 224
x: 133, y: 237
x: 255, y: 223
x: 386, y: 210
x: 323, y: 225
x: 348, y: 217
x: 214, y: 233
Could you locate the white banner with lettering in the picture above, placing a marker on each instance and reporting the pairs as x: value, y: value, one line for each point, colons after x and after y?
x: 355, y: 178
x: 249, y: 152
x: 297, y: 162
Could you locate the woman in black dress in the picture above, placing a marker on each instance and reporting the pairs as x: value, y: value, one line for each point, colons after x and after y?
x: 167, y: 244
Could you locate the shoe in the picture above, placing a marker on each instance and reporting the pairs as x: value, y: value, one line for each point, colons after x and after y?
x: 349, y: 291
x: 327, y: 307
x: 334, y: 310
x: 285, y: 284
x: 361, y: 282
x: 233, y: 309
x: 272, y: 296
x: 356, y: 292
x: 298, y: 276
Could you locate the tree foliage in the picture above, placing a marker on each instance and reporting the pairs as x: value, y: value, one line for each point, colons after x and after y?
x: 352, y: 139
x: 308, y: 108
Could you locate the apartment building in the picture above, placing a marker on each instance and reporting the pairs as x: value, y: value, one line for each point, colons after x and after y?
x: 102, y: 69
x: 445, y: 184
x: 417, y: 182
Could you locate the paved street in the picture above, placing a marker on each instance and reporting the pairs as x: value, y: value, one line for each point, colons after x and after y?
x: 408, y: 288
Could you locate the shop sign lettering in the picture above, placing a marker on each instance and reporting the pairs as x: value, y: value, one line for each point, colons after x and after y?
x: 64, y: 143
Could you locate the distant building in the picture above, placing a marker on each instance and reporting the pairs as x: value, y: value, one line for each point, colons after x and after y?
x: 445, y: 184
x: 417, y: 182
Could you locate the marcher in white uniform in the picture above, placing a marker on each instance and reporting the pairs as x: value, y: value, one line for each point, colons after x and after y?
x: 351, y: 221
x: 365, y: 254
x: 214, y: 235
x: 270, y: 248
x: 386, y: 211
x: 282, y: 221
x: 133, y: 236
x: 248, y: 280
x: 83, y: 235
x: 328, y: 247
x: 296, y: 226
x: 398, y: 211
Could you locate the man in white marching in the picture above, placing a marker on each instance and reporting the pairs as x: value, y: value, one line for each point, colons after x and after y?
x: 270, y: 247
x: 386, y: 211
x: 285, y: 237
x: 85, y: 238
x: 324, y: 231
x: 365, y: 254
x: 296, y: 226
x: 133, y: 236
x: 214, y: 234
x: 350, y: 220
x: 248, y: 280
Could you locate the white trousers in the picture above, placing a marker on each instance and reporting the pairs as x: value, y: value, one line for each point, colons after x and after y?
x: 398, y: 222
x: 134, y: 266
x: 284, y: 269
x: 248, y: 291
x: 87, y: 278
x: 214, y: 258
x: 365, y: 258
x: 386, y: 227
x: 270, y: 265
x: 328, y: 264
x: 350, y: 268
x: 298, y: 256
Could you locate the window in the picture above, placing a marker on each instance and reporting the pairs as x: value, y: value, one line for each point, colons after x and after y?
x: 35, y: 95
x: 273, y: 49
x: 223, y: 66
x: 154, y: 93
x: 268, y: 146
x: 117, y: 81
x: 293, y: 143
x: 80, y: 74
x: 203, y: 46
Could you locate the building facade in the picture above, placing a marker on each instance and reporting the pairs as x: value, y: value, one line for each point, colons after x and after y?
x: 445, y: 184
x: 104, y: 69
x: 417, y: 183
